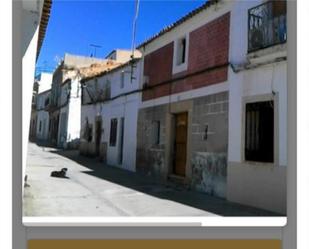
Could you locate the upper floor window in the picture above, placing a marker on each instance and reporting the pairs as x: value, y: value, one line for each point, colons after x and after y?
x: 267, y: 25
x: 181, y: 51
x: 180, y: 60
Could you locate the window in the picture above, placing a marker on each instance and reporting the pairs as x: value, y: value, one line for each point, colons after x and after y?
x: 181, y: 51
x: 40, y: 126
x: 122, y: 79
x: 156, y: 132
x: 180, y: 54
x: 259, y: 136
x: 267, y: 25
x: 113, y: 132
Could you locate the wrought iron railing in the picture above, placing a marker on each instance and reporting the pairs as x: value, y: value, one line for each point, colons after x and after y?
x: 267, y: 25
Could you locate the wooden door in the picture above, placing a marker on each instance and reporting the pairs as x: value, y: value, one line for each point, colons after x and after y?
x: 181, y: 130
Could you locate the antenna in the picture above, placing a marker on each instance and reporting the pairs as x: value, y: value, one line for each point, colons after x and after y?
x: 134, y: 27
x: 95, y: 46
x: 133, y: 37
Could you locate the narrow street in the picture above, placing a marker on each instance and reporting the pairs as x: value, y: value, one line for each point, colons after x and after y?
x: 94, y: 189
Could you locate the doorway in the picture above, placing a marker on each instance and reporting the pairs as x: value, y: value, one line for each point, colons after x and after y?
x: 98, y: 135
x: 180, y: 144
x: 121, y: 135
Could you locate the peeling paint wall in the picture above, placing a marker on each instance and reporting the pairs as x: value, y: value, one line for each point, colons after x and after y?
x: 150, y: 155
x: 209, y: 144
x: 209, y: 173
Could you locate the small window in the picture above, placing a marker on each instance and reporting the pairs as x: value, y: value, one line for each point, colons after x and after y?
x: 156, y: 132
x: 259, y: 137
x: 113, y: 132
x: 181, y: 51
x: 122, y: 79
x: 40, y: 126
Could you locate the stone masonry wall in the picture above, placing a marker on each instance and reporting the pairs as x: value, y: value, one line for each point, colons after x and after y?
x: 209, y: 144
x: 150, y: 157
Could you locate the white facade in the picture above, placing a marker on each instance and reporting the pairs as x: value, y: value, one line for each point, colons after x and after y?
x: 122, y: 104
x: 257, y: 76
x: 70, y: 109
x: 45, y: 81
x: 31, y: 14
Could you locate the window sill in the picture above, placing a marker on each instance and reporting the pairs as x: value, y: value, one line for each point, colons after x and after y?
x: 256, y: 163
x: 180, y: 68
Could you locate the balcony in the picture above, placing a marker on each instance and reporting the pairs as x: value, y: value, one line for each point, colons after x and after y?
x: 267, y: 25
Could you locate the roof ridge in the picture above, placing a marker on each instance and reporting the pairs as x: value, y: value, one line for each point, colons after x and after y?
x: 181, y: 20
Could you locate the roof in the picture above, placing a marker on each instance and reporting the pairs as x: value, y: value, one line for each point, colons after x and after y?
x: 111, y: 69
x: 170, y: 27
x: 97, y: 69
x: 43, y: 24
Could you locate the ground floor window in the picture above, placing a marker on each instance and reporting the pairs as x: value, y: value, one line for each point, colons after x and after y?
x: 259, y: 134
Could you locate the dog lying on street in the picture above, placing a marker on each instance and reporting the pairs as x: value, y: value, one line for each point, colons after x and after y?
x: 61, y: 174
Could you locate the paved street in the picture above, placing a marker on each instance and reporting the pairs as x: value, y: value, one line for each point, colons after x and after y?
x: 94, y: 189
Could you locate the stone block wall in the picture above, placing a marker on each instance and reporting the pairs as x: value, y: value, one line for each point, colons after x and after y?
x: 209, y: 144
x: 150, y: 157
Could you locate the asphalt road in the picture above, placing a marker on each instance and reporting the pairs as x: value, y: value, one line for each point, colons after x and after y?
x: 95, y: 189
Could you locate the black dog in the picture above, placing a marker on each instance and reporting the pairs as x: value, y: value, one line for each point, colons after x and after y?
x: 60, y: 174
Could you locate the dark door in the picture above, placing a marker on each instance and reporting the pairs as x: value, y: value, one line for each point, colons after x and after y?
x: 98, y: 134
x: 120, y: 157
x: 181, y: 129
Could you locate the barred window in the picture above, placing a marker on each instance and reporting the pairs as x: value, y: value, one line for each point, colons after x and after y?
x: 113, y: 132
x: 259, y: 138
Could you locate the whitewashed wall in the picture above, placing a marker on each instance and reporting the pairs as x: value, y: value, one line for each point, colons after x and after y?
x: 45, y: 81
x: 122, y: 106
x: 259, y: 81
x: 74, y: 112
x: 70, y: 113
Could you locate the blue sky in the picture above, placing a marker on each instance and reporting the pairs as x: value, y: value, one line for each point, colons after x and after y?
x: 74, y: 25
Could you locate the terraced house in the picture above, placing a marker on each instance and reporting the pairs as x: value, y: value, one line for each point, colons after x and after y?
x: 214, y: 102
x: 64, y: 106
x: 110, y: 102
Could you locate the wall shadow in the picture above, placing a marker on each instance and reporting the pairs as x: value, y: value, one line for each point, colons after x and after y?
x: 149, y: 186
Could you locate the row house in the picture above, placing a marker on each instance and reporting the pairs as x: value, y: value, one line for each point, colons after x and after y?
x: 214, y: 102
x: 110, y: 102
x: 64, y: 106
x: 257, y: 148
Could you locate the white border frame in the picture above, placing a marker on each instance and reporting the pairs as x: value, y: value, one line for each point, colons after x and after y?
x: 157, y: 221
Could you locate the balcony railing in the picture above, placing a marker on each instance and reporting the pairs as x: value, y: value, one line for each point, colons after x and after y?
x: 267, y: 25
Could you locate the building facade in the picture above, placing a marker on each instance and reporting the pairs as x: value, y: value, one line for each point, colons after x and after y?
x: 109, y: 115
x: 183, y: 118
x: 257, y: 144
x: 214, y: 105
x: 64, y: 107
